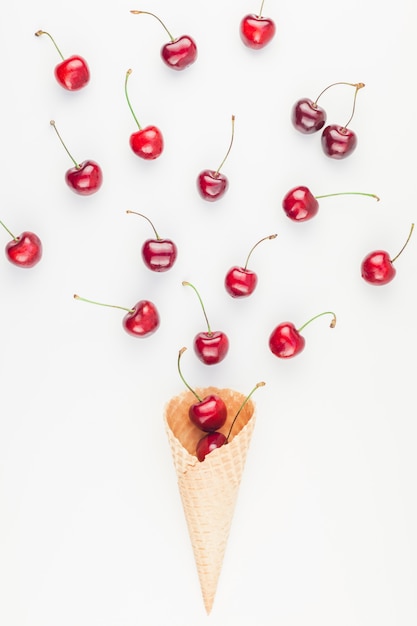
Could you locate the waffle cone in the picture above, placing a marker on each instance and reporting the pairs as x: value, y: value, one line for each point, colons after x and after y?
x: 209, y: 488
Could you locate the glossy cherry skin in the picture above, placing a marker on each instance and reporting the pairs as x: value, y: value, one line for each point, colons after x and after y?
x: 179, y: 53
x: 307, y: 117
x: 143, y: 320
x: 285, y: 341
x: 377, y: 268
x: 256, y: 31
x: 147, y: 143
x: 159, y: 255
x: 209, y: 414
x: 25, y: 250
x: 212, y: 185
x: 211, y: 348
x: 85, y: 179
x: 72, y: 73
x: 208, y: 443
x: 240, y: 282
x: 338, y: 142
x: 299, y: 204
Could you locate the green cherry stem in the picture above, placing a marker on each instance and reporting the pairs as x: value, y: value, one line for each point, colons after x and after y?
x: 157, y: 18
x: 146, y: 218
x: 187, y: 284
x: 357, y: 85
x: 182, y: 377
x: 112, y: 306
x: 77, y: 165
x: 43, y: 32
x: 351, y: 193
x: 216, y: 173
x: 128, y: 73
x: 261, y: 384
x: 10, y: 233
x: 406, y: 242
x: 257, y: 244
x: 332, y: 323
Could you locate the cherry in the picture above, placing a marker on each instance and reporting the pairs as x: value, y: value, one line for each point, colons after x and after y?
x: 257, y: 31
x: 159, y: 255
x: 140, y: 321
x: 240, y: 281
x: 338, y: 142
x: 377, y: 267
x: 84, y: 178
x: 210, y: 347
x: 180, y: 52
x: 286, y: 340
x: 25, y: 250
x: 212, y: 185
x: 300, y: 205
x: 207, y: 413
x: 214, y: 440
x: 147, y: 142
x: 72, y: 73
x: 307, y: 117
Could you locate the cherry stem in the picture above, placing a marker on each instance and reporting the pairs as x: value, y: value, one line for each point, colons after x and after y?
x: 216, y: 173
x: 43, y: 32
x: 407, y: 240
x: 112, y: 306
x: 261, y: 384
x: 185, y: 283
x: 182, y: 377
x: 357, y: 85
x: 351, y: 193
x: 77, y: 165
x: 257, y: 244
x: 156, y: 17
x: 10, y: 233
x: 146, y: 218
x: 261, y: 9
x: 332, y: 323
x: 128, y: 73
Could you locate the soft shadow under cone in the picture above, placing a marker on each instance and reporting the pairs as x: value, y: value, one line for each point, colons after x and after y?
x: 209, y: 488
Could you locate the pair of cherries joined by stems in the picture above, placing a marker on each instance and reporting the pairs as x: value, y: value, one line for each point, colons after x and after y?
x: 209, y: 414
x: 24, y: 250
x: 308, y: 117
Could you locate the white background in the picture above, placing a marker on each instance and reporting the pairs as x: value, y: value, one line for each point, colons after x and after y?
x: 91, y: 527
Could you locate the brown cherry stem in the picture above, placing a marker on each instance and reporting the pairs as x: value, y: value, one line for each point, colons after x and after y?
x: 351, y: 193
x: 43, y: 32
x: 112, y: 306
x: 261, y: 384
x: 357, y: 85
x: 216, y: 173
x: 257, y: 244
x: 406, y: 242
x: 186, y: 283
x: 182, y: 377
x: 332, y: 323
x: 128, y: 73
x: 10, y: 233
x: 157, y: 18
x: 77, y: 165
x: 146, y: 218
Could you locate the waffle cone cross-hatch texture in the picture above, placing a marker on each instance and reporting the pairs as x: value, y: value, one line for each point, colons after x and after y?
x: 209, y: 488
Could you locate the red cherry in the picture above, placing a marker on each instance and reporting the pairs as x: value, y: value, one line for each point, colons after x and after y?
x: 377, y: 267
x: 84, y: 178
x: 72, y: 73
x: 257, y: 31
x: 159, y: 255
x: 300, y: 205
x: 286, y: 340
x: 211, y: 184
x: 240, y: 281
x: 211, y: 347
x: 207, y: 413
x: 147, y: 142
x: 140, y: 321
x: 180, y: 52
x: 337, y: 141
x: 25, y: 250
